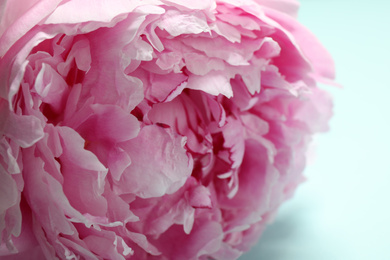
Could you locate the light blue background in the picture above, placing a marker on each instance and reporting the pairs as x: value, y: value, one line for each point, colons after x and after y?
x: 343, y: 211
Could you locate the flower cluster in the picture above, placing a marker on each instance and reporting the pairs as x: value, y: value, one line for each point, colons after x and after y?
x: 157, y: 129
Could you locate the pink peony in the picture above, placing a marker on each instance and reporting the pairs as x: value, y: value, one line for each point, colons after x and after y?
x: 156, y: 129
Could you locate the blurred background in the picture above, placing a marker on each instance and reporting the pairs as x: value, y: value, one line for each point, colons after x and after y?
x: 342, y: 212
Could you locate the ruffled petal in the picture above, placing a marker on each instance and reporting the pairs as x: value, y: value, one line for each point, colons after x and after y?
x: 25, y: 130
x: 157, y: 129
x: 84, y: 175
x: 177, y: 23
x: 159, y: 165
x: 109, y: 123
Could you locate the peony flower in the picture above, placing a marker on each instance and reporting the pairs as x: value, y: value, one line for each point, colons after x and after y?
x: 156, y: 129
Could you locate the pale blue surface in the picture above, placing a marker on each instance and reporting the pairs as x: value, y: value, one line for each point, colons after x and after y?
x: 343, y: 211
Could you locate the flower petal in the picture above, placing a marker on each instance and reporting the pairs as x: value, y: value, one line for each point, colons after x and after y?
x: 159, y: 165
x: 24, y: 130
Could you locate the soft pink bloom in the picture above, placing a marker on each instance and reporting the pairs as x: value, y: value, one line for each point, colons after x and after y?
x: 157, y: 129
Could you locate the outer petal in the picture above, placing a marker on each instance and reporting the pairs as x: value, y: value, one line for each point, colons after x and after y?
x: 13, y: 64
x: 191, y: 5
x: 80, y: 11
x: 289, y: 7
x: 18, y: 17
x: 320, y: 58
x: 316, y: 113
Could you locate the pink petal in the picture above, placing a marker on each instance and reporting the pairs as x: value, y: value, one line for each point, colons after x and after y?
x: 190, y: 5
x: 79, y: 11
x: 256, y: 178
x: 10, y: 216
x: 199, y: 197
x: 13, y: 64
x: 24, y: 130
x: 319, y: 57
x: 118, y: 160
x: 213, y: 83
x: 162, y: 86
x: 231, y: 52
x: 289, y: 7
x: 177, y: 23
x: 106, y: 79
x: 118, y: 209
x: 142, y: 242
x: 25, y: 244
x: 204, y: 239
x: 201, y: 65
x: 227, y: 31
x: 84, y: 175
x: 37, y: 192
x: 110, y: 123
x: 233, y: 134
x: 19, y: 16
x: 105, y: 246
x: 9, y: 151
x: 80, y: 54
x: 51, y: 87
x: 316, y: 112
x: 159, y: 165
